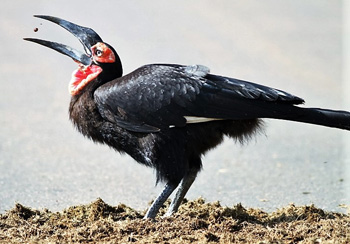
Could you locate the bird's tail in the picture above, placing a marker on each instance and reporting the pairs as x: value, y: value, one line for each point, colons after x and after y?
x: 324, y: 117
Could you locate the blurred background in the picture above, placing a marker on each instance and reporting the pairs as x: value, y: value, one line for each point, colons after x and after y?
x: 296, y: 46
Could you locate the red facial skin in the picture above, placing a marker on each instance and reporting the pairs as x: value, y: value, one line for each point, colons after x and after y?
x: 102, y: 54
x: 84, y: 74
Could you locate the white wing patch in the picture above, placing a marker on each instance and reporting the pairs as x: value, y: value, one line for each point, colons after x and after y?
x: 194, y: 119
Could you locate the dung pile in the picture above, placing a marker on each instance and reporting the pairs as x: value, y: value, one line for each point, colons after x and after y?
x: 196, y: 222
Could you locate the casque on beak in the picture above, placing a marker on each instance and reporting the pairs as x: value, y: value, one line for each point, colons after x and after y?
x: 86, y: 36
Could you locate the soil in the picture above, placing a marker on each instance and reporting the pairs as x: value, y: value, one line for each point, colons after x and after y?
x: 196, y: 222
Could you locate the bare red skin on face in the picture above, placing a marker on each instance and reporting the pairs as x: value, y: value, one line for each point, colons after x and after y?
x: 82, y: 76
x: 102, y: 53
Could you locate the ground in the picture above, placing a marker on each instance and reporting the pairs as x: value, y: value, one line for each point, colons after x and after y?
x: 196, y: 222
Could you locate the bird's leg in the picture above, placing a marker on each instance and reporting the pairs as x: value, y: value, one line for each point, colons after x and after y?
x: 184, y: 185
x: 158, y: 203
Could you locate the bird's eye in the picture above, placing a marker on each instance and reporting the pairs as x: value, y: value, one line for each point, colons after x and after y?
x: 98, y: 53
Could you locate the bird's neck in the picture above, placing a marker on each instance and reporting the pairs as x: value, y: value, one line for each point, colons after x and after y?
x: 111, y: 71
x: 84, y: 114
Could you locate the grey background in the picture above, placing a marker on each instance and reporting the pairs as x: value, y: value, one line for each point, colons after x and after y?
x: 295, y: 46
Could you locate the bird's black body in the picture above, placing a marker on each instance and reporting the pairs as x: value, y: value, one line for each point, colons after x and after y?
x: 167, y: 116
x: 102, y: 115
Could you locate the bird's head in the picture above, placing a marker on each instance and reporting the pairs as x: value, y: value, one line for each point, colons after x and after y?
x: 100, y: 62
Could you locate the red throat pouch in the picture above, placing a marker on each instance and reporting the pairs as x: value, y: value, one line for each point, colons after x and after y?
x: 82, y: 76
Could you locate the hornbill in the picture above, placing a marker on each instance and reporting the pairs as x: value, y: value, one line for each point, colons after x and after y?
x: 166, y: 116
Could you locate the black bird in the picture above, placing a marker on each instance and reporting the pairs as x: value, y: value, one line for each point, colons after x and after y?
x: 166, y: 116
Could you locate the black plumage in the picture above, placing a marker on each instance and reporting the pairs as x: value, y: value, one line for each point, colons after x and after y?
x: 166, y: 116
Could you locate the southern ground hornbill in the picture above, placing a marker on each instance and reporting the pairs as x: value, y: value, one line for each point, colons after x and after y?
x: 166, y: 116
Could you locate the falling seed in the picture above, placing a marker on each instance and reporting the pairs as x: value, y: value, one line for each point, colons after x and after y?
x: 36, y: 29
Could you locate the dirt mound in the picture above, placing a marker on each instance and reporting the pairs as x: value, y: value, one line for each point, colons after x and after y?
x: 196, y: 222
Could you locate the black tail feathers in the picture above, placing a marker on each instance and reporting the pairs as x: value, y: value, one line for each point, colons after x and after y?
x: 324, y: 117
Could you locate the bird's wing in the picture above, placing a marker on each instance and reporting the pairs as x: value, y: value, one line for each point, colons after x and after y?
x: 162, y: 96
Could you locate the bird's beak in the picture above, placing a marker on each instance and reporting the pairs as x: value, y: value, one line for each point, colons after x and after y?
x: 86, y: 36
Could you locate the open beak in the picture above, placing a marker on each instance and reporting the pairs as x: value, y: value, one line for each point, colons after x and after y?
x: 86, y: 36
